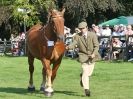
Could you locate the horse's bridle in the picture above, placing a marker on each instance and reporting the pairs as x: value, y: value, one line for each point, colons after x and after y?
x: 50, y: 20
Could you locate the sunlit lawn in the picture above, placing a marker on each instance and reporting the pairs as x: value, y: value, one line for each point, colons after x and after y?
x: 109, y: 80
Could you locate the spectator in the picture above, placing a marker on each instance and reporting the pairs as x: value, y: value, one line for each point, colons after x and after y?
x: 116, y: 43
x: 122, y: 32
x: 115, y: 31
x: 104, y: 42
x: 130, y: 42
x: 107, y: 31
x: 67, y: 32
x: 129, y: 30
x: 93, y: 28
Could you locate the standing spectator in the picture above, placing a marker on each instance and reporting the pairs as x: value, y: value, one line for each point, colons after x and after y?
x: 67, y: 32
x: 14, y: 44
x: 93, y: 28
x: 12, y: 37
x: 23, y: 36
x: 88, y: 45
x: 21, y: 43
x: 130, y: 42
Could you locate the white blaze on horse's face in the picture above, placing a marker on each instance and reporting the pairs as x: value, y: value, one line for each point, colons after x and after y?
x: 58, y: 23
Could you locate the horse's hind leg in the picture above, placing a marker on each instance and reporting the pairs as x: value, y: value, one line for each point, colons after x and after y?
x: 31, y: 70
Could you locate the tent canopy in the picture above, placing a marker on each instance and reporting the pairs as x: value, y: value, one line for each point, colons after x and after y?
x: 115, y: 21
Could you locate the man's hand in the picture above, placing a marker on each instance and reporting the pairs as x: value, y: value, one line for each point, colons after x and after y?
x: 92, y: 56
x: 67, y: 48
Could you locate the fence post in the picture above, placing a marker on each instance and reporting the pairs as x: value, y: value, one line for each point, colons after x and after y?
x: 126, y: 49
x: 110, y: 46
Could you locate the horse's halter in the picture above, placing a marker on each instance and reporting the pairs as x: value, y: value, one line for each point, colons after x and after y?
x: 52, y: 21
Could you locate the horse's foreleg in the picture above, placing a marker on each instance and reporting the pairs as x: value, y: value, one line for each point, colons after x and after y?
x: 46, y: 64
x: 55, y: 68
x: 43, y: 85
x: 31, y: 70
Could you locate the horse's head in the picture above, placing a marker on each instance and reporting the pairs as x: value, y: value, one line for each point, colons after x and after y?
x: 57, y: 23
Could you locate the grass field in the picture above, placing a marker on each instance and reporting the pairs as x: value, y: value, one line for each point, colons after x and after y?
x: 109, y: 80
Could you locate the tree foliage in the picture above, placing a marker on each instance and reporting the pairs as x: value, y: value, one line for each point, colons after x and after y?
x: 22, y: 9
x: 35, y: 11
x: 81, y: 9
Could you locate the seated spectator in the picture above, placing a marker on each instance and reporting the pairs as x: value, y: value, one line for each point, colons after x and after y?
x: 119, y: 30
x: 129, y: 30
x: 115, y: 31
x: 104, y: 41
x: 122, y: 31
x: 107, y: 31
x: 116, y: 43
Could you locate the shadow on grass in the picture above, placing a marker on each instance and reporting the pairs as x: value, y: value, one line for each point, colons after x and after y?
x: 70, y: 93
x: 14, y: 90
x: 24, y: 91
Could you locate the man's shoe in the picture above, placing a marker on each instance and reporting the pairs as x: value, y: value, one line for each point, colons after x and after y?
x: 87, y: 92
x: 81, y: 84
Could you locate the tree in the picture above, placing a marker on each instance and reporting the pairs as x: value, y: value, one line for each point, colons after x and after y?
x: 5, y: 15
x: 81, y: 9
x: 127, y: 7
x: 32, y: 11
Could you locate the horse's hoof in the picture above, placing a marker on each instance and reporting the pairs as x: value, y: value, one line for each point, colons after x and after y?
x: 31, y: 89
x: 42, y: 89
x: 48, y: 94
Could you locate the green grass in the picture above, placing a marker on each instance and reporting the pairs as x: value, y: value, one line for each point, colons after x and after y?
x: 109, y: 80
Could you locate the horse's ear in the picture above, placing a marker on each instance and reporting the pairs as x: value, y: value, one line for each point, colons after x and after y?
x: 63, y: 10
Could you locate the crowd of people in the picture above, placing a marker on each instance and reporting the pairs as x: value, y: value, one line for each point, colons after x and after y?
x: 18, y: 44
x: 18, y: 41
x: 116, y: 30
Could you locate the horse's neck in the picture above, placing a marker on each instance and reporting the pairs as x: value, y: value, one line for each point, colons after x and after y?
x: 49, y: 33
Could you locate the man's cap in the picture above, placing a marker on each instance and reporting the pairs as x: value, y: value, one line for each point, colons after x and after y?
x: 82, y: 25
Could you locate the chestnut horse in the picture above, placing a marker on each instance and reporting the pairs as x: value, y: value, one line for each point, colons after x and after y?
x: 46, y: 44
